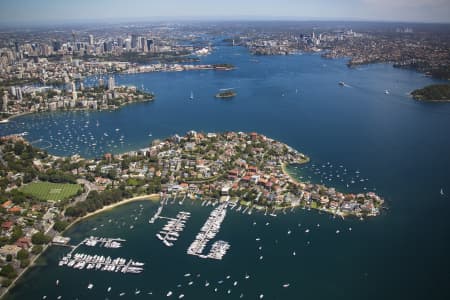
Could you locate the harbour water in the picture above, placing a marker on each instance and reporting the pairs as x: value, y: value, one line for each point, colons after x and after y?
x: 398, y: 146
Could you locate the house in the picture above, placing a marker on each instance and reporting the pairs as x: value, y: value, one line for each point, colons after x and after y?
x: 7, y: 204
x: 15, y: 209
x: 9, y: 250
x: 7, y: 225
x: 24, y: 243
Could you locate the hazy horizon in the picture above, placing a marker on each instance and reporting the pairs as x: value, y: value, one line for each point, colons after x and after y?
x: 29, y: 12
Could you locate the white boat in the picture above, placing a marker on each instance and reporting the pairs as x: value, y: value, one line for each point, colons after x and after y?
x: 286, y: 285
x: 109, y: 289
x: 90, y: 286
x: 442, y: 192
x: 181, y: 296
x: 191, y: 97
x: 169, y: 294
x: 386, y: 92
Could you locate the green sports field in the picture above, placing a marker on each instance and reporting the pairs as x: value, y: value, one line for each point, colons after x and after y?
x: 51, y: 191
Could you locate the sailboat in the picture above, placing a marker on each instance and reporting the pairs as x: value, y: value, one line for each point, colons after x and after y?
x: 191, y: 97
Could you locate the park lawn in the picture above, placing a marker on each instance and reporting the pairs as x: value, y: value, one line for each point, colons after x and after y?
x: 51, y: 191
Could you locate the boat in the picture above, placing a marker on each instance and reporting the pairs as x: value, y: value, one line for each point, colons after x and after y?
x: 109, y: 289
x: 386, y: 92
x: 341, y: 83
x: 191, y: 97
x: 57, y: 282
x: 286, y: 285
x: 90, y: 286
x: 181, y: 296
x: 169, y: 294
x: 442, y: 192
x: 226, y: 93
x: 122, y: 294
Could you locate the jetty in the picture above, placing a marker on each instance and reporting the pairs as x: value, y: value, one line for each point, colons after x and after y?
x: 171, y: 231
x: 208, y: 232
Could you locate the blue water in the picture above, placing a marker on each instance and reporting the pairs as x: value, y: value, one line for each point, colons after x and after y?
x: 400, y: 146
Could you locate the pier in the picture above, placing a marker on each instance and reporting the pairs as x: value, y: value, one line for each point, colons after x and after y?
x: 208, y: 232
x: 171, y: 231
x: 99, y: 262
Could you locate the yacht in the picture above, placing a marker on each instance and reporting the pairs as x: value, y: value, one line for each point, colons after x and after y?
x: 90, y: 286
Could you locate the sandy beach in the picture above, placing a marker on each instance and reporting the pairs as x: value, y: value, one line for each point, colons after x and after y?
x: 151, y: 197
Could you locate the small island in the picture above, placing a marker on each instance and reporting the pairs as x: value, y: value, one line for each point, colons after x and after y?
x: 433, y: 93
x: 226, y: 94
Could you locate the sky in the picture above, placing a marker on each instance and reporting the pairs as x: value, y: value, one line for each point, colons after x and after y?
x: 59, y: 11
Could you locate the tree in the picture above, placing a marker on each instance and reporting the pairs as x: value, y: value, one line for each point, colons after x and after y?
x: 40, y: 238
x: 24, y: 263
x: 22, y: 254
x: 36, y: 249
x: 16, y: 234
x: 8, y: 271
x: 60, y: 225
x: 6, y: 282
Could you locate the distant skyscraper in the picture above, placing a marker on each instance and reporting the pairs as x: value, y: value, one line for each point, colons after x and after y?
x: 19, y: 93
x: 91, y: 39
x: 142, y: 44
x: 13, y: 91
x: 5, y: 103
x: 149, y: 44
x: 74, y: 91
x: 111, y: 83
x: 134, y: 41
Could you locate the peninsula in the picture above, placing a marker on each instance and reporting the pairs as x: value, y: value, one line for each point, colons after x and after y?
x: 433, y: 93
x: 70, y: 96
x: 42, y: 194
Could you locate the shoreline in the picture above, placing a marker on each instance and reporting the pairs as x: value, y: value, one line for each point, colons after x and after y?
x: 6, y: 120
x: 291, y: 177
x: 150, y: 197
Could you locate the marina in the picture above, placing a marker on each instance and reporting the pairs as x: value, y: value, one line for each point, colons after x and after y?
x: 208, y: 232
x: 171, y: 231
x: 82, y: 261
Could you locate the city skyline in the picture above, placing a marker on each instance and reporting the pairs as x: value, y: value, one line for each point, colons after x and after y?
x: 46, y: 11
